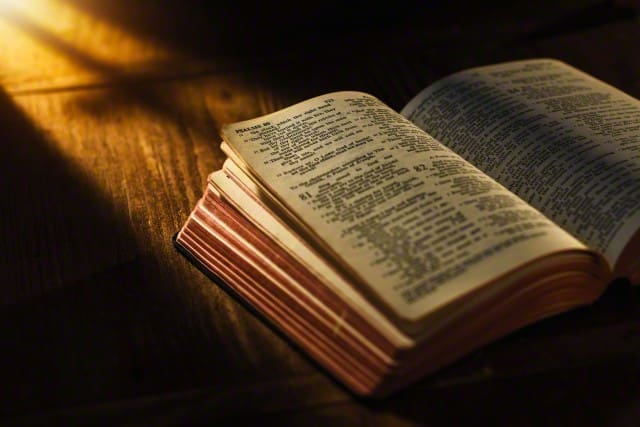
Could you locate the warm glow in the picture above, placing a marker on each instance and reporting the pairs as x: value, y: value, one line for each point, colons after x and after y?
x: 5, y: 4
x: 9, y: 4
x: 54, y: 42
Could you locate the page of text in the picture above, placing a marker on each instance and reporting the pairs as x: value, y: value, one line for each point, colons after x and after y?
x: 563, y: 141
x: 413, y: 220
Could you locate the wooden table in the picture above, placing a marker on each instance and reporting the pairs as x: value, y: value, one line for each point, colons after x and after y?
x: 110, y: 115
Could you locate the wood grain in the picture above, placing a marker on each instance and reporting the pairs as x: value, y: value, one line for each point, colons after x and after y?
x: 109, y: 132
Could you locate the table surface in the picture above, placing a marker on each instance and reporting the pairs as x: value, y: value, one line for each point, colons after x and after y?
x: 110, y: 115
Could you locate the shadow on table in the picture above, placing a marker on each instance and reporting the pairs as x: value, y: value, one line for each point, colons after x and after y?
x: 56, y: 227
x: 581, y: 367
x: 89, y: 312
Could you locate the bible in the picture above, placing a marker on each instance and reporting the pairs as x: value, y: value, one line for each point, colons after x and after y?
x: 387, y: 244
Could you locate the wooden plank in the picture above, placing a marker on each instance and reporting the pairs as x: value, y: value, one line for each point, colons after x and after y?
x: 100, y: 305
x: 118, y: 315
x: 101, y: 318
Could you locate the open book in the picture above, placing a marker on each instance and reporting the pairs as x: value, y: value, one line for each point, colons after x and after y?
x: 388, y: 245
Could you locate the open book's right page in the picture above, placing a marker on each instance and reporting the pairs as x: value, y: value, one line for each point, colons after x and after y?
x: 560, y: 139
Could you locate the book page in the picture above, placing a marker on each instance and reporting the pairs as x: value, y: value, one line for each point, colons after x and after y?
x: 408, y: 218
x: 563, y: 141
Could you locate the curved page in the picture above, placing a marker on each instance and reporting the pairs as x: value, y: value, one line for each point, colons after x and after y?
x: 411, y: 221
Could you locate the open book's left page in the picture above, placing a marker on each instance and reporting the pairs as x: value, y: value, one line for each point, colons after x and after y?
x: 410, y: 221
